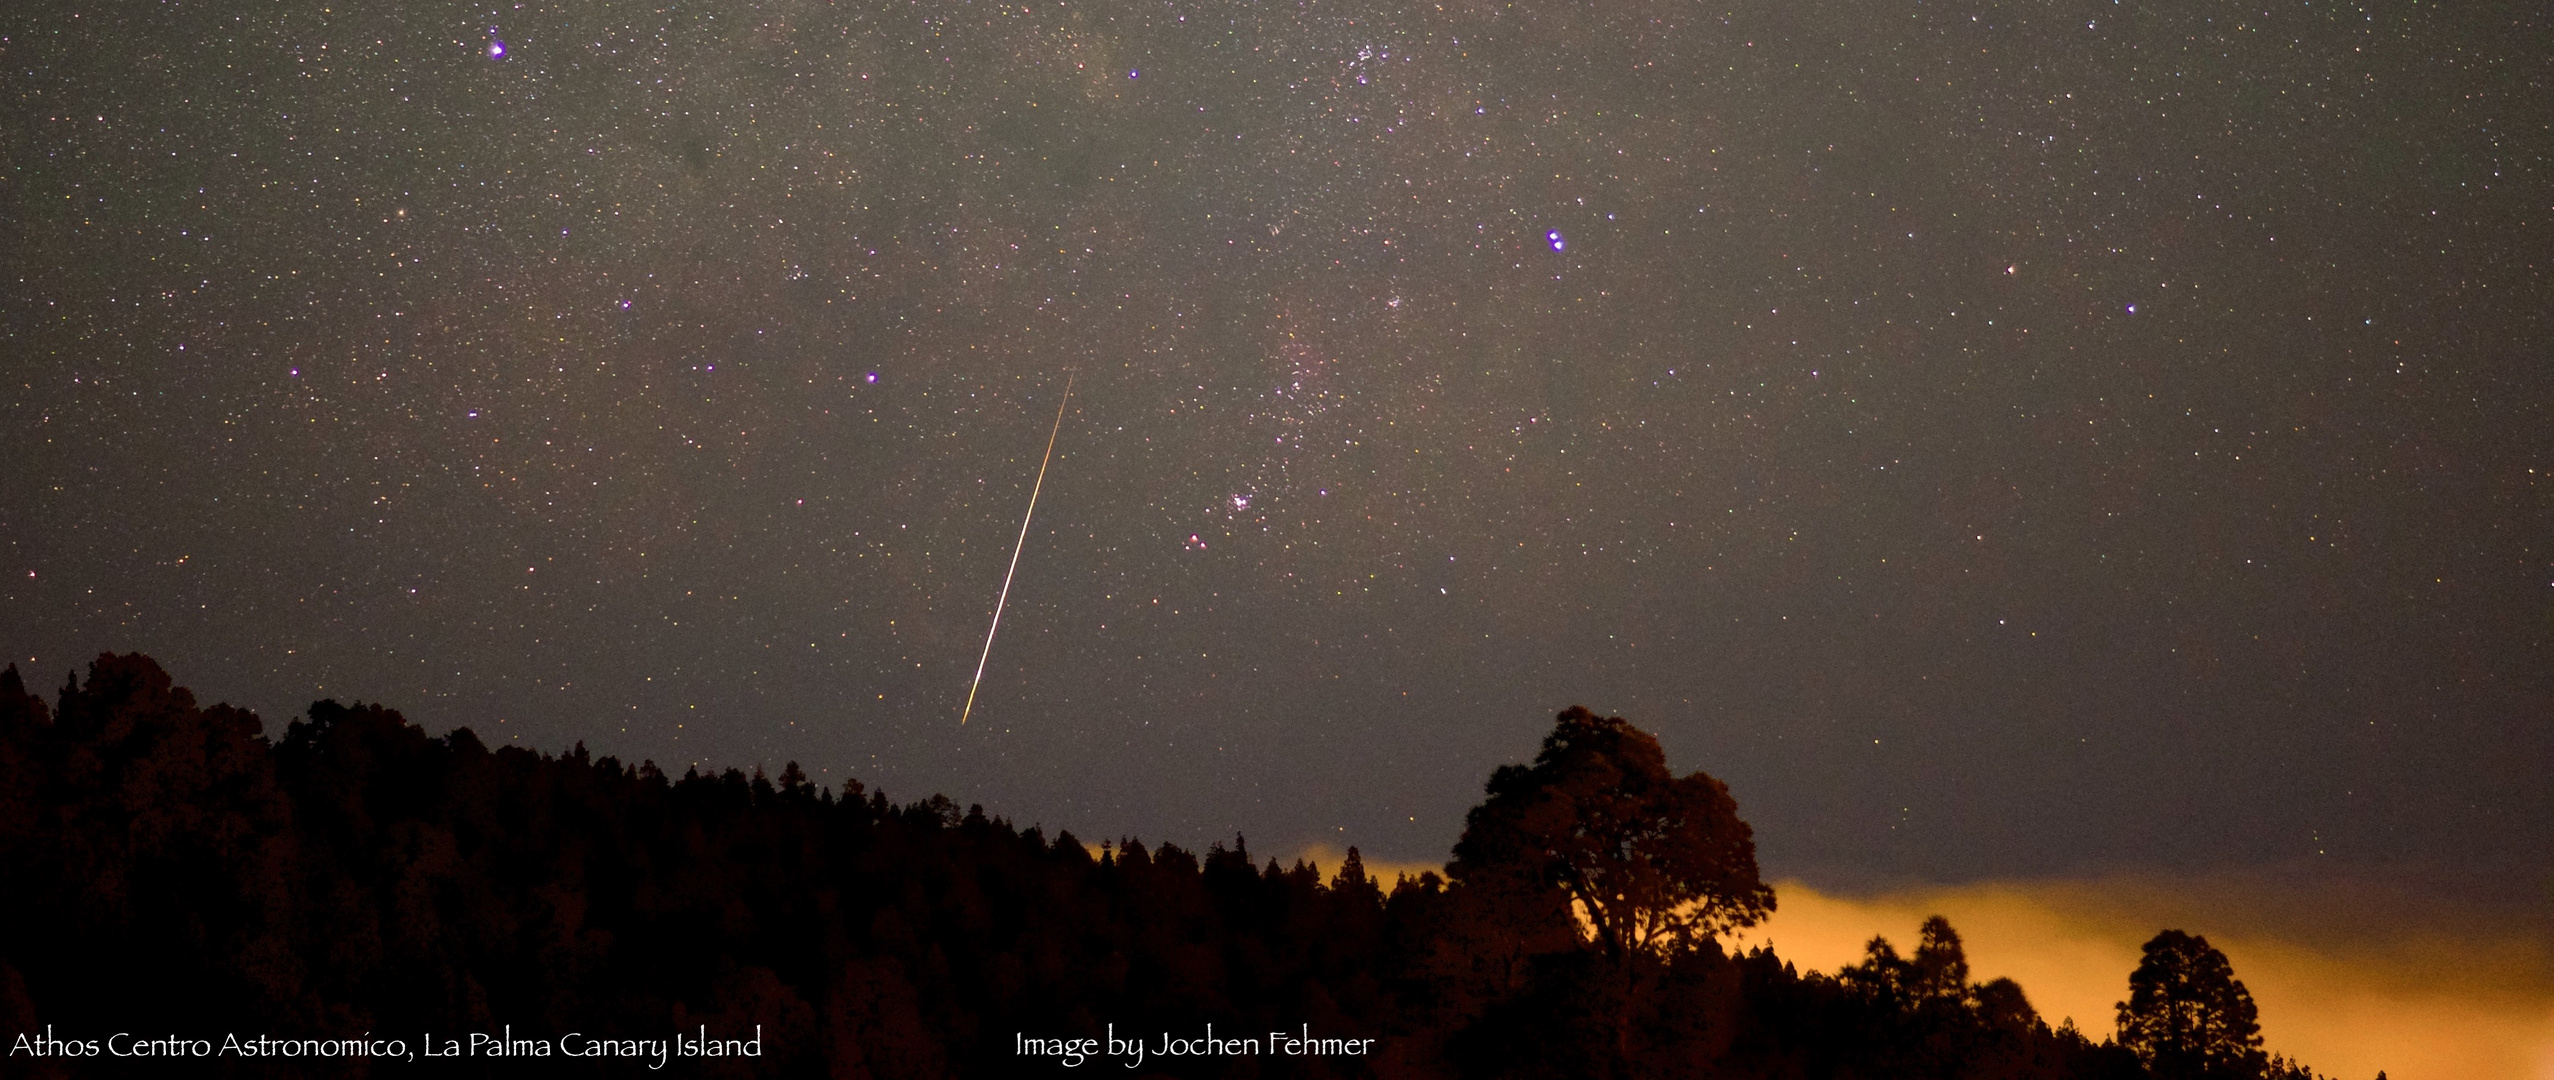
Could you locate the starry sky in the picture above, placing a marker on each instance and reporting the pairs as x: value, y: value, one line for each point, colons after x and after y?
x: 2000, y: 440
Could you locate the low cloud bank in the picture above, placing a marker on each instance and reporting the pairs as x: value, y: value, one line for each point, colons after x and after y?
x: 2350, y: 980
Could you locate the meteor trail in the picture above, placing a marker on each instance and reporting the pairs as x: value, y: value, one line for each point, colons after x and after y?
x: 1015, y: 551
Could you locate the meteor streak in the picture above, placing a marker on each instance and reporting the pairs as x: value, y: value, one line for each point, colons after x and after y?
x: 1015, y: 551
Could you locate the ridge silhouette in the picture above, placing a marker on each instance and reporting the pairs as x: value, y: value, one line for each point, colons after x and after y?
x: 173, y: 868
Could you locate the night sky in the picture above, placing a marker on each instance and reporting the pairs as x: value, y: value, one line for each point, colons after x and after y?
x: 1999, y: 440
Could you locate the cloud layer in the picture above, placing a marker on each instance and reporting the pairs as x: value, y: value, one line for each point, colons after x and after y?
x: 2350, y: 981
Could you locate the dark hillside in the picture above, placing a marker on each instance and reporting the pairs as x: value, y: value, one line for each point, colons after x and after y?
x: 175, y: 870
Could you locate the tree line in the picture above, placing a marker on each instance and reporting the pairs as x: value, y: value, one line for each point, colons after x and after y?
x: 172, y: 868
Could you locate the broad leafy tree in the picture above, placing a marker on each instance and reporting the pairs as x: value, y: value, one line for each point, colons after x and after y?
x: 1649, y: 861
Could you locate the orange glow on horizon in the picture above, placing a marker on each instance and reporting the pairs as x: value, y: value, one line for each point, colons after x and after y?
x: 2348, y: 982
x: 2419, y: 1002
x: 1327, y: 859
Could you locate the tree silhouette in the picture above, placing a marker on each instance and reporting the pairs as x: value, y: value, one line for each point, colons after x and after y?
x: 1882, y: 974
x: 1650, y: 861
x: 1937, y: 976
x: 172, y: 865
x: 1940, y: 971
x: 2003, y: 1005
x: 2187, y: 1017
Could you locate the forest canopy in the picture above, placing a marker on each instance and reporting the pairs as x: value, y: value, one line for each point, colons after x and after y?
x: 179, y: 868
